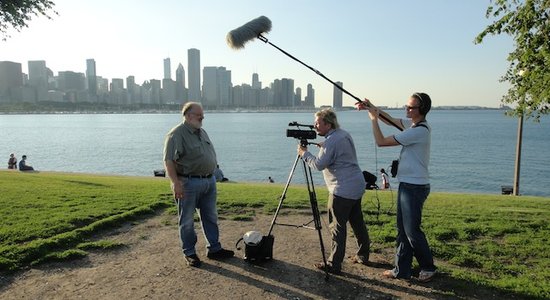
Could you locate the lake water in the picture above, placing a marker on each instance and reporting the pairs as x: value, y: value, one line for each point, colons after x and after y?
x: 472, y: 151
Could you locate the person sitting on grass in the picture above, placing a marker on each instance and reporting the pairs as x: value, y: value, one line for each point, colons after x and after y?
x: 12, y: 162
x: 23, y: 164
x: 218, y: 173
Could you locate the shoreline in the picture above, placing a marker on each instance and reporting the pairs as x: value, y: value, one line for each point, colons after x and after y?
x: 237, y: 110
x: 245, y: 182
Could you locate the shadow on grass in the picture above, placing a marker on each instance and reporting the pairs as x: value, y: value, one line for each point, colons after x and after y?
x: 86, y: 183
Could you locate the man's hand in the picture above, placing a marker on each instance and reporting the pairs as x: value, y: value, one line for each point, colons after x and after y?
x: 175, y: 183
x: 177, y: 190
x: 301, y: 150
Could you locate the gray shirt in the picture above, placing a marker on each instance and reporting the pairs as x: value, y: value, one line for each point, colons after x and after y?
x: 191, y: 149
x: 415, y: 154
x: 338, y: 161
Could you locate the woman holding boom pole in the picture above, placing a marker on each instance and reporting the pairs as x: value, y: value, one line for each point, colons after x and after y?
x: 414, y: 185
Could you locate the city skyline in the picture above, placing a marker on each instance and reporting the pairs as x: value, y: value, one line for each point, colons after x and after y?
x: 91, y: 77
x: 215, y: 91
x: 382, y: 51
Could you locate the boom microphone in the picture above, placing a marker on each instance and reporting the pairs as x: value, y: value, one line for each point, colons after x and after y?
x: 237, y: 37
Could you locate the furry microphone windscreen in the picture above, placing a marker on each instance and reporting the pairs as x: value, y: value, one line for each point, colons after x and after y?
x: 237, y: 37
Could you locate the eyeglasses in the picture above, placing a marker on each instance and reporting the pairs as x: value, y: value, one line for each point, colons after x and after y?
x: 411, y: 107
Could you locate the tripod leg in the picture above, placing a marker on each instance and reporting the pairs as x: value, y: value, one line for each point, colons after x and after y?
x: 283, y: 196
x: 315, y: 212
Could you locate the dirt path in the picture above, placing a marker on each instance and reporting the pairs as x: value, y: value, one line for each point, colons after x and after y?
x: 152, y: 267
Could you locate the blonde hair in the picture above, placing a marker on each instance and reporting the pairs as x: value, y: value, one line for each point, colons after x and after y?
x: 328, y: 116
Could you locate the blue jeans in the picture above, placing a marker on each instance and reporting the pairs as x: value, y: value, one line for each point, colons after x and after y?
x: 411, y: 241
x: 199, y: 195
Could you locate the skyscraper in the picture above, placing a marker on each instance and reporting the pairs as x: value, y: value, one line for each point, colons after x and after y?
x: 337, y: 95
x: 73, y: 84
x: 117, y: 92
x: 38, y: 79
x: 310, y: 96
x: 216, y: 87
x: 210, y: 86
x: 168, y: 93
x: 256, y: 83
x: 132, y: 88
x: 11, y: 79
x: 155, y: 91
x: 283, y: 92
x: 38, y: 74
x: 91, y: 76
x: 71, y: 81
x: 181, y: 91
x: 194, y: 74
x: 287, y: 92
x: 225, y: 85
x: 298, y: 96
x: 167, y: 69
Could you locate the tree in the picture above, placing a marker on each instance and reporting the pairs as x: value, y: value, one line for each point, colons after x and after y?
x: 17, y: 13
x: 528, y: 23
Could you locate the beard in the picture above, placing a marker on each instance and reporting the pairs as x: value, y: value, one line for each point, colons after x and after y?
x: 195, y: 124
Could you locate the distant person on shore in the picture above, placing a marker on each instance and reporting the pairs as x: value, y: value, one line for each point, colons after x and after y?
x: 12, y: 162
x: 337, y: 159
x: 414, y: 184
x: 218, y: 173
x: 190, y: 160
x: 23, y: 164
x: 385, y: 179
x: 270, y: 180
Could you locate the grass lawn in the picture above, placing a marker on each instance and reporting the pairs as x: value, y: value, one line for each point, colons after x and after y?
x: 492, y: 240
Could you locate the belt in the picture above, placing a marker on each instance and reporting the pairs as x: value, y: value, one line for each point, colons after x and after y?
x: 196, y: 176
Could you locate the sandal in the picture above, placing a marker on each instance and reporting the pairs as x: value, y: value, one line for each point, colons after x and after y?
x: 359, y: 259
x: 328, y: 268
x: 426, y: 276
x: 389, y: 274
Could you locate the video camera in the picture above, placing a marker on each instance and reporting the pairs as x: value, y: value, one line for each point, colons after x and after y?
x: 302, y: 135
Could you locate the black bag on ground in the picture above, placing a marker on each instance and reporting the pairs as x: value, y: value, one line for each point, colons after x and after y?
x: 257, y: 247
x: 370, y: 180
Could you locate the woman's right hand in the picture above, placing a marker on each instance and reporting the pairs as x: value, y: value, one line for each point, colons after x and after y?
x: 363, y: 105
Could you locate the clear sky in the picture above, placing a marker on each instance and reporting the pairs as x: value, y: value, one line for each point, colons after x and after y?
x: 381, y: 50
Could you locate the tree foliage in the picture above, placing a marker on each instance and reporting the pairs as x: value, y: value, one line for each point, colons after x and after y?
x: 16, y: 14
x: 528, y: 23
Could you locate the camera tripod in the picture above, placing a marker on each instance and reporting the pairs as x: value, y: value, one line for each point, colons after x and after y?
x: 312, y: 199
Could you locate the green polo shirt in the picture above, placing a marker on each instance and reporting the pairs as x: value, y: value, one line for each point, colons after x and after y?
x: 191, y: 149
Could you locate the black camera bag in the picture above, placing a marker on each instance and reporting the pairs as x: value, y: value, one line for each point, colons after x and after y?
x: 394, y: 166
x: 261, y: 252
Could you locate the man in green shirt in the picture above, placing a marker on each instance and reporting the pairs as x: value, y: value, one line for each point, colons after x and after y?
x: 190, y: 160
